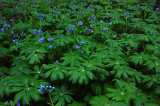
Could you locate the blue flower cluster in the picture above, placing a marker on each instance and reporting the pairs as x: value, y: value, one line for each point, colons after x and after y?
x: 82, y: 42
x: 105, y: 29
x: 71, y: 28
x: 80, y: 23
x: 45, y: 88
x: 101, y: 22
x: 14, y: 41
x: 89, y: 30
x: 127, y: 14
x: 50, y: 39
x: 93, y: 17
x: 110, y: 23
x: 77, y: 46
x: 39, y: 32
x: 42, y: 16
x: 41, y: 40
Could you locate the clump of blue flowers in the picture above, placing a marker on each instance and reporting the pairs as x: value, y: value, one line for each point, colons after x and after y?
x: 41, y: 40
x: 50, y: 39
x: 39, y: 32
x: 80, y: 23
x: 42, y: 16
x: 71, y: 28
x: 45, y: 88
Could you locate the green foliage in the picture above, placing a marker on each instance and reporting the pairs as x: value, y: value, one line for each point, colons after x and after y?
x: 62, y: 95
x: 80, y: 52
x: 55, y: 71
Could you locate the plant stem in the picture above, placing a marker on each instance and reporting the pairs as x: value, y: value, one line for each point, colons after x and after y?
x: 50, y: 98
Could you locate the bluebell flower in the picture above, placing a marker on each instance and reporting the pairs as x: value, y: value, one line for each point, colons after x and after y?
x: 53, y: 88
x: 135, y: 9
x: 2, y: 29
x: 82, y: 12
x: 96, y: 6
x: 11, y: 32
x: 110, y: 23
x: 115, y: 36
x: 46, y: 86
x: 91, y: 26
x: 72, y: 27
x: 50, y: 46
x: 17, y: 58
x: 127, y: 14
x: 42, y: 16
x: 77, y: 46
x: 42, y: 86
x: 0, y: 3
x: 21, y: 3
x: 15, y: 36
x: 50, y: 39
x: 57, y: 61
x: 50, y: 87
x: 41, y: 40
x: 88, y: 8
x: 105, y: 29
x: 14, y: 41
x: 80, y: 23
x: 63, y: 17
x: 34, y: 12
x: 40, y: 32
x: 157, y: 9
x: 34, y: 31
x: 91, y: 31
x: 93, y: 17
x: 82, y: 51
x: 41, y: 90
x: 101, y: 22
x: 82, y: 42
x: 9, y: 104
x: 11, y: 19
x: 22, y: 34
x: 132, y: 16
x: 18, y: 104
x: 28, y: 30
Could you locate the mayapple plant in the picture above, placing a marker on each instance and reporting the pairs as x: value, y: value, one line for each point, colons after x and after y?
x: 87, y: 52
